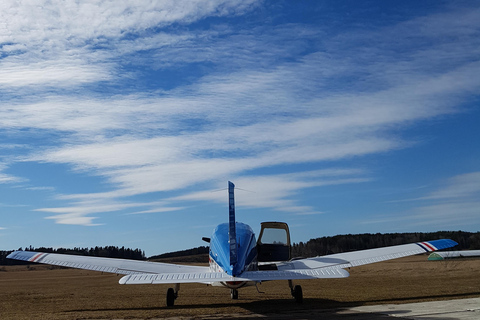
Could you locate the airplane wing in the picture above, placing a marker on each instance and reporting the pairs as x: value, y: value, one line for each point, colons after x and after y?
x: 358, y: 258
x: 255, y: 276
x: 112, y: 265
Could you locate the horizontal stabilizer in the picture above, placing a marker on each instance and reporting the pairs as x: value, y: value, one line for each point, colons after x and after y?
x: 210, y: 277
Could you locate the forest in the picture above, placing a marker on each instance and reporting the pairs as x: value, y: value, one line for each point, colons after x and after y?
x: 109, y: 252
x: 352, y: 242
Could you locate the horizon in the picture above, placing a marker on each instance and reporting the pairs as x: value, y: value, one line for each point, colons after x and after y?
x: 34, y: 248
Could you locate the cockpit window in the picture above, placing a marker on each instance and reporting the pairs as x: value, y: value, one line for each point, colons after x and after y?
x: 274, y: 236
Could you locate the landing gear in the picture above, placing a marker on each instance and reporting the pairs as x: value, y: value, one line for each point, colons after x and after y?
x: 172, y: 294
x: 296, y: 292
x: 234, y: 294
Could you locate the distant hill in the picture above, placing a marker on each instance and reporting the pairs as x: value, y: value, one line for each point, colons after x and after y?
x: 198, y: 254
x: 194, y: 258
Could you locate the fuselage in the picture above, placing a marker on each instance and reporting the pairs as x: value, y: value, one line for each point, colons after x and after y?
x: 219, y: 255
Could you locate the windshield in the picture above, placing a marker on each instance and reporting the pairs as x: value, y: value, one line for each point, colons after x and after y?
x: 274, y: 236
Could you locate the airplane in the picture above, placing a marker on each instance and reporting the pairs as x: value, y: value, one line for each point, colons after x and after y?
x: 237, y: 259
x: 453, y: 254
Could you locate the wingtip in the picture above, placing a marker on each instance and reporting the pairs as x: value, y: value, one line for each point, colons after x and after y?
x: 443, y: 243
x: 17, y: 255
x: 124, y: 280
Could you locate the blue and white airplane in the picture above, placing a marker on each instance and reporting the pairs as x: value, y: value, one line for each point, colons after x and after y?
x: 237, y: 259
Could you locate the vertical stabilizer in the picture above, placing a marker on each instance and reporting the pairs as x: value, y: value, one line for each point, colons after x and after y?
x: 232, y: 234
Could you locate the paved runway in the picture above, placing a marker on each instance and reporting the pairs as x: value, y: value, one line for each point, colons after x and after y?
x: 460, y: 309
x: 464, y: 309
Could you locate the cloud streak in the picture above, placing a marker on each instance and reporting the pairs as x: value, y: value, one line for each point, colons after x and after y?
x: 458, y: 197
x: 462, y: 186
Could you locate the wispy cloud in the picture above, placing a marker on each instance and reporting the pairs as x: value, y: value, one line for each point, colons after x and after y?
x: 8, y: 178
x: 159, y: 210
x: 279, y: 191
x: 80, y: 213
x: 52, y: 73
x: 69, y: 43
x: 275, y: 192
x: 462, y: 186
x: 458, y: 197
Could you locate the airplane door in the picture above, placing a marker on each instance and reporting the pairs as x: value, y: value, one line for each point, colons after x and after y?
x: 274, y: 242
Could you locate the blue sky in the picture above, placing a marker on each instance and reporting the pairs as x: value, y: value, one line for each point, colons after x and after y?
x: 121, y: 122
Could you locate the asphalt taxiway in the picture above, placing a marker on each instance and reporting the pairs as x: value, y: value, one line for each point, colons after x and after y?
x: 459, y: 309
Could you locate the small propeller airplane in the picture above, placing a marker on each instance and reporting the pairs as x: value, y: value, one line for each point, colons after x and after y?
x: 236, y: 260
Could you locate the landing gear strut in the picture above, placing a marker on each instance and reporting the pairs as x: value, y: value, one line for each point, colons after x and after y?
x: 296, y: 292
x: 234, y: 294
x: 172, y: 294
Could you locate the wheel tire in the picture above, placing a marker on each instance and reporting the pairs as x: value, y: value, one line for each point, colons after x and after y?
x: 170, y: 297
x: 298, y: 294
x: 234, y: 294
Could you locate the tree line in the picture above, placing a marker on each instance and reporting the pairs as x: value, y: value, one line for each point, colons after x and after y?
x: 352, y: 242
x: 108, y: 252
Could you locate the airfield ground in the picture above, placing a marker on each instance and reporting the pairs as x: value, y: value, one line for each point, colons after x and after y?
x: 37, y: 292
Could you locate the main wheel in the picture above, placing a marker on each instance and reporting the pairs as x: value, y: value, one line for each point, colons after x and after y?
x: 298, y: 294
x: 234, y: 294
x: 170, y: 297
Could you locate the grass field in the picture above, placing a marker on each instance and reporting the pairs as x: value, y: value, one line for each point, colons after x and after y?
x: 37, y: 292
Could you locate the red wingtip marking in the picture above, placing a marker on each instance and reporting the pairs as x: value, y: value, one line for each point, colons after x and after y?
x: 36, y: 257
x: 426, y: 244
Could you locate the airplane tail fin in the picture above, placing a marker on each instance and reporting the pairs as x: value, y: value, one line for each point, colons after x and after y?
x: 232, y: 233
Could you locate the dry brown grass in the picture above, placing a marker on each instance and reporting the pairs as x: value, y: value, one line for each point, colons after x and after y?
x: 41, y: 293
